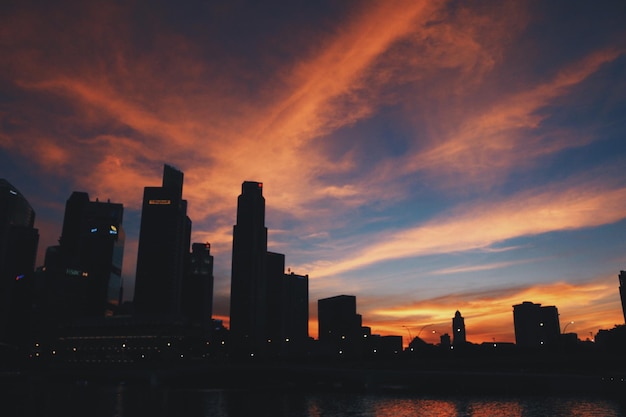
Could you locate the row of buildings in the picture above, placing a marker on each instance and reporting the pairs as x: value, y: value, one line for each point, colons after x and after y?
x: 74, y: 302
x: 72, y: 306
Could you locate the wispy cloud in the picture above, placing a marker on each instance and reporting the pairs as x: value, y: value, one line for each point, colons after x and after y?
x: 483, y: 267
x: 481, y: 224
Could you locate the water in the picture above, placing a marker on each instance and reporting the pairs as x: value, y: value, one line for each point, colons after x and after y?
x: 114, y: 399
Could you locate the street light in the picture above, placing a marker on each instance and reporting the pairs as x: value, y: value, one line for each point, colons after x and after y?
x: 565, y: 328
x: 420, y: 332
x: 408, y: 329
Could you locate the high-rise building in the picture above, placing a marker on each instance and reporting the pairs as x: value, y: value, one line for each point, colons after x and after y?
x: 84, y: 272
x: 275, y: 300
x: 458, y: 330
x: 535, y: 326
x: 164, y: 239
x: 622, y: 291
x: 198, y: 286
x: 248, y: 295
x: 339, y: 324
x: 296, y: 310
x: 18, y: 251
x: 287, y: 307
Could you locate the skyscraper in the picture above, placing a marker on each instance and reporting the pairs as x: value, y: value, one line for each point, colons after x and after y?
x: 18, y: 247
x: 458, y: 330
x: 248, y: 304
x: 622, y: 291
x: 535, y: 326
x: 287, y: 307
x: 296, y: 309
x: 275, y: 299
x: 164, y: 239
x: 197, y: 302
x: 84, y: 273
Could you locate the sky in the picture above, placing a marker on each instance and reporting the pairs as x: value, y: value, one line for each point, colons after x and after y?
x: 424, y: 156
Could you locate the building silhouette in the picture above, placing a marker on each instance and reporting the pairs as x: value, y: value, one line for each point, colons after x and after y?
x: 18, y: 250
x: 535, y: 326
x: 287, y: 307
x: 458, y: 330
x: 339, y: 324
x: 622, y: 291
x: 296, y: 311
x: 84, y: 272
x: 248, y: 295
x: 197, y: 292
x: 164, y: 239
x: 275, y: 300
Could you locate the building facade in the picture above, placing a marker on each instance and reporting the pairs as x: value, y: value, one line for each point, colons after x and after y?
x: 18, y: 251
x: 84, y: 272
x: 535, y: 326
x: 164, y: 239
x: 622, y: 291
x: 197, y: 302
x: 248, y: 295
x: 339, y: 324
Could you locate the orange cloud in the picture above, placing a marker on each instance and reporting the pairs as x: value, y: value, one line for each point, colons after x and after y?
x: 501, y: 137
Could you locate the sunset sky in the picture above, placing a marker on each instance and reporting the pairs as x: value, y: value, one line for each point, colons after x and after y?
x: 424, y: 156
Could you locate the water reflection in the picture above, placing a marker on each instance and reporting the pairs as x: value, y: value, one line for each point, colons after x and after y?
x: 123, y: 400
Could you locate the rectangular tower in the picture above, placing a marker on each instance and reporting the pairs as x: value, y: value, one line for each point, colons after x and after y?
x: 296, y: 309
x: 622, y: 291
x: 275, y: 272
x: 86, y: 273
x: 248, y: 308
x: 339, y: 324
x: 198, y: 286
x: 18, y: 250
x: 164, y: 239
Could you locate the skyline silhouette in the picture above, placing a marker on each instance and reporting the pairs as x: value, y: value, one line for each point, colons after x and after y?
x: 262, y: 298
x: 425, y: 158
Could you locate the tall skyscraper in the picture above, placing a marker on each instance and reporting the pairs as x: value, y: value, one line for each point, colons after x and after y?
x: 18, y: 248
x: 197, y: 302
x: 248, y: 303
x: 84, y: 273
x: 622, y: 291
x: 458, y: 330
x: 164, y: 239
x: 535, y: 326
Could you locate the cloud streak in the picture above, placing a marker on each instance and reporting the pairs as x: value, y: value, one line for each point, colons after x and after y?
x: 480, y: 225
